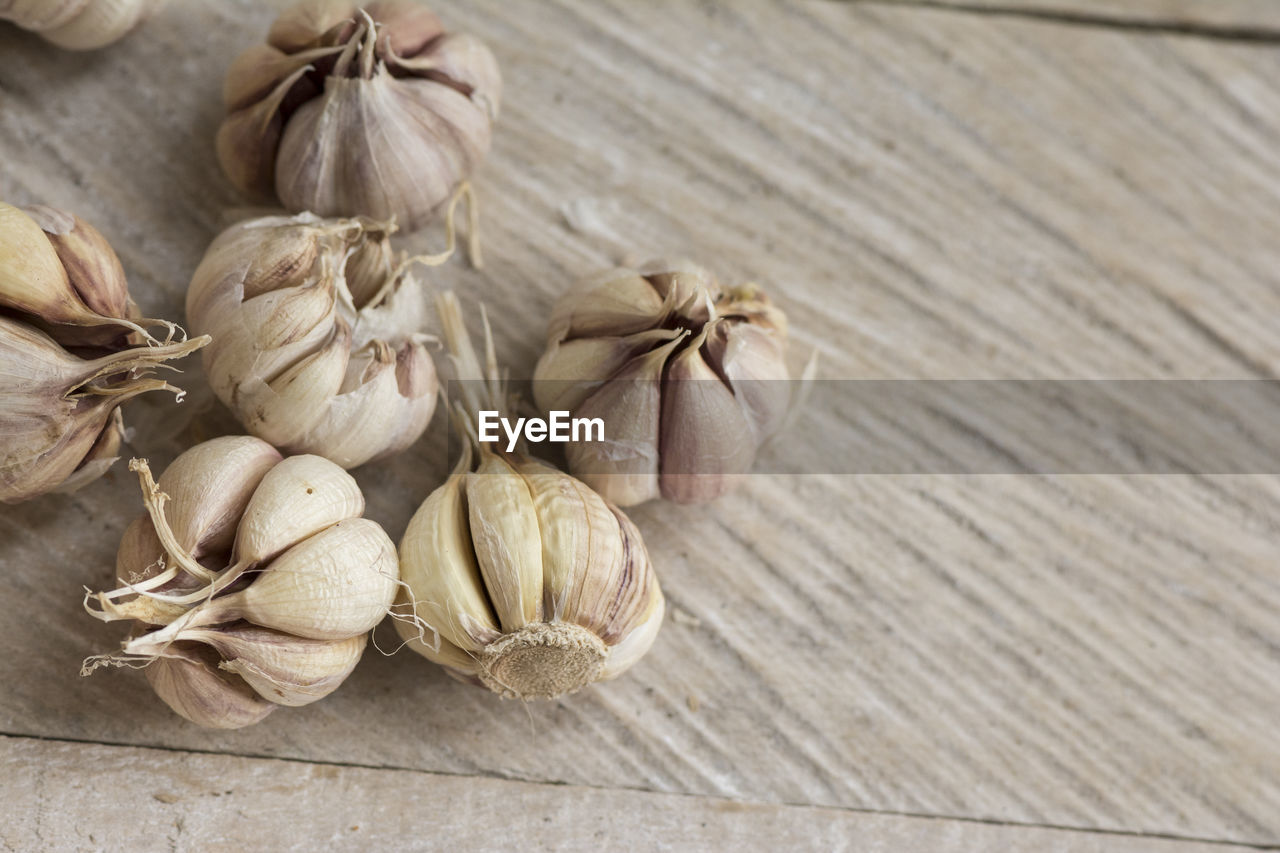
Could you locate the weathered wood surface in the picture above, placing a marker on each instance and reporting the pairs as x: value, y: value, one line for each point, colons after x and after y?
x: 928, y: 194
x: 1226, y: 18
x: 177, y: 801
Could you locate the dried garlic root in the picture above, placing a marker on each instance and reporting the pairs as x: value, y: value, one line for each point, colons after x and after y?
x: 688, y: 376
x: 531, y: 584
x: 252, y: 581
x: 73, y: 349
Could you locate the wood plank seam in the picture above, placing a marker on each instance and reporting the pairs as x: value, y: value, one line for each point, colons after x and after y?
x: 1088, y: 831
x: 1073, y: 18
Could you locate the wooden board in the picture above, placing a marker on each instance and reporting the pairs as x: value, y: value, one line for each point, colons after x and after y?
x: 1230, y: 19
x: 929, y: 194
x: 178, y: 801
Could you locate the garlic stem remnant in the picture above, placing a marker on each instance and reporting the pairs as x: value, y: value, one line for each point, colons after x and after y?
x: 317, y: 335
x: 78, y: 24
x: 359, y: 109
x: 531, y: 584
x: 252, y: 581
x: 687, y: 375
x: 73, y: 349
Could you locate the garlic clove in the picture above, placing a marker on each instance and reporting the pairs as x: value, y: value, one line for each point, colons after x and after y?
x: 32, y: 278
x: 100, y: 457
x: 615, y: 303
x: 624, y: 466
x: 141, y: 555
x: 41, y: 14
x: 569, y: 372
x: 333, y: 160
x: 580, y: 538
x: 684, y: 283
x: 330, y: 586
x: 638, y: 586
x: 753, y: 359
x: 706, y: 437
x: 100, y: 23
x: 368, y: 267
x: 438, y: 564
x: 282, y: 668
x: 267, y: 336
x: 286, y: 408
x: 298, y: 498
x: 749, y: 303
x: 634, y: 645
x: 92, y: 267
x: 463, y: 62
x: 260, y: 69
x: 407, y: 26
x: 248, y: 138
x: 302, y: 25
x: 507, y: 543
x: 383, y: 405
x: 209, y: 487
x: 189, y: 682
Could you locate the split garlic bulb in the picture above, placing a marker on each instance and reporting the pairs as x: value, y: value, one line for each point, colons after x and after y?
x: 528, y: 582
x: 317, y: 336
x: 359, y: 109
x: 688, y: 377
x: 72, y: 350
x: 252, y: 581
x: 78, y: 24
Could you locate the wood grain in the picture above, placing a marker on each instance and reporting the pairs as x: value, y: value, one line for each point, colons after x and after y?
x: 929, y: 195
x: 1214, y: 18
x: 173, y: 801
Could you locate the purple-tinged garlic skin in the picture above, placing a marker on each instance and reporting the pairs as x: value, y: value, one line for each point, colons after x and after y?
x: 688, y: 376
x: 366, y: 109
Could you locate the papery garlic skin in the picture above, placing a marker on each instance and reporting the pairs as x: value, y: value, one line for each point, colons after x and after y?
x: 359, y: 109
x: 78, y: 24
x: 252, y: 581
x: 317, y: 336
x: 62, y: 289
x: 526, y: 580
x: 688, y: 377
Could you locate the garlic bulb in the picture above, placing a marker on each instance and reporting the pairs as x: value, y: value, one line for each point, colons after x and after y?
x: 528, y: 582
x: 359, y: 109
x: 252, y: 581
x: 78, y: 24
x: 72, y: 351
x: 688, y: 377
x: 317, y: 342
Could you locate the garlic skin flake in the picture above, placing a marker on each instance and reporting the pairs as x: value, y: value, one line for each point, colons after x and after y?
x: 78, y: 24
x: 317, y: 336
x: 359, y: 109
x: 251, y: 581
x: 527, y: 581
x: 689, y: 377
x: 73, y: 349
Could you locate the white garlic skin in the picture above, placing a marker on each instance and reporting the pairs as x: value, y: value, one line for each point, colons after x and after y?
x: 288, y: 582
x: 78, y: 24
x: 316, y: 349
x: 523, y: 579
x: 688, y: 377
